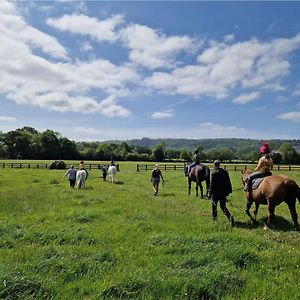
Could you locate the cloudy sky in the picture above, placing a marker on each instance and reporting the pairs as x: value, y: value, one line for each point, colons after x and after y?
x: 99, y: 70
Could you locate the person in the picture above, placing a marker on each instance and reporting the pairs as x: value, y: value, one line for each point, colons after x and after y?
x: 82, y: 167
x: 71, y: 173
x: 263, y: 168
x: 155, y: 178
x: 220, y: 188
x: 196, y: 161
x: 112, y: 162
x: 104, y: 172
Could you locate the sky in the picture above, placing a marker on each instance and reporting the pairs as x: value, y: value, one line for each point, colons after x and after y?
x: 107, y: 70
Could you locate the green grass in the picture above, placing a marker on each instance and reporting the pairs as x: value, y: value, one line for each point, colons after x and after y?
x: 119, y: 241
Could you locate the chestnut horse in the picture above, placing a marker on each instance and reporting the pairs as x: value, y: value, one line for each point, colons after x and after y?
x: 272, y: 191
x: 198, y: 174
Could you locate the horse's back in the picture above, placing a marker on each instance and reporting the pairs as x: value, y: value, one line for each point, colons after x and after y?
x: 278, y: 187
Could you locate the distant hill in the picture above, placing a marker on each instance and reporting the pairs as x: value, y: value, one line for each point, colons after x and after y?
x: 191, y: 144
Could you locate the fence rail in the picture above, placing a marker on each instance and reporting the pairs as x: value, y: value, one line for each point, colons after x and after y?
x: 229, y: 167
x: 25, y: 165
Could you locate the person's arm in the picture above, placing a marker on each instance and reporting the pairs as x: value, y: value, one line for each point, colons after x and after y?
x: 271, y: 163
x: 211, y: 186
x: 67, y: 173
x: 161, y: 176
x: 229, y: 184
x: 259, y: 164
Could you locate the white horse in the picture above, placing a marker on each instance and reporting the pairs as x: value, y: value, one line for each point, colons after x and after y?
x: 112, y: 171
x: 80, y: 179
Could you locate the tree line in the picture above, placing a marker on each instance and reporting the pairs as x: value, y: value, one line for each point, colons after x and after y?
x: 28, y: 143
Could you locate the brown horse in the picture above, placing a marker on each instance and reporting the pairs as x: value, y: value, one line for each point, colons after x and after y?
x: 272, y: 191
x: 198, y: 174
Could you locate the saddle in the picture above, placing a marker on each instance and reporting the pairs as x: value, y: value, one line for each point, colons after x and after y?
x: 256, y: 182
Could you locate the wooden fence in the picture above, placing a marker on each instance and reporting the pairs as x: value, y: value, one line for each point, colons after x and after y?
x: 229, y: 167
x: 31, y: 165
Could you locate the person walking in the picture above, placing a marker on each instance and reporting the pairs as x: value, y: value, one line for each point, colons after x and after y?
x: 220, y: 188
x: 155, y: 178
x: 71, y: 173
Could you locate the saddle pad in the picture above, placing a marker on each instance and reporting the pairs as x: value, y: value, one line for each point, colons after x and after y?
x: 256, y: 182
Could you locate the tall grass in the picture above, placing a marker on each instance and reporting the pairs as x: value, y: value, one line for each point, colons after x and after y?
x: 119, y: 241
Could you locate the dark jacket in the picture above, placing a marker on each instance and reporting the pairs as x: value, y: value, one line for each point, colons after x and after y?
x: 220, y: 184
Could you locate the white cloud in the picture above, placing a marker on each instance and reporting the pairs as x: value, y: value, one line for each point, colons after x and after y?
x: 152, y: 49
x: 296, y: 92
x: 81, y: 24
x: 26, y: 78
x: 86, y: 47
x: 203, y: 130
x: 245, y: 98
x: 229, y: 38
x: 163, y: 114
x: 7, y: 119
x: 222, y: 67
x: 292, y: 116
x: 14, y: 28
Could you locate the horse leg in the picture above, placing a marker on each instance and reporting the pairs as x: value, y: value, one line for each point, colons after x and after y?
x: 247, y: 210
x: 190, y: 184
x: 201, y: 189
x: 197, y: 187
x: 292, y: 207
x: 271, y: 210
x: 255, y: 211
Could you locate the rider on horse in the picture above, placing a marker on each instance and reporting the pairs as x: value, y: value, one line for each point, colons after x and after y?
x: 263, y: 168
x: 196, y: 161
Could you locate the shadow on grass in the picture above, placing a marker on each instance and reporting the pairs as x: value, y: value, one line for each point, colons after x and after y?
x: 167, y: 195
x: 119, y: 182
x: 279, y: 224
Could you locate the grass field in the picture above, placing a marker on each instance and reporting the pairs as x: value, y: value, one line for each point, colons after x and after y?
x: 119, y: 241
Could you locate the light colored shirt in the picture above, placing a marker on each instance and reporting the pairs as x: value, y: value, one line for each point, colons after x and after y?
x: 264, y: 165
x: 71, y: 173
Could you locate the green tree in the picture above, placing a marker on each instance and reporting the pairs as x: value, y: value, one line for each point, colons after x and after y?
x: 49, y: 143
x: 185, y: 155
x: 289, y: 153
x: 159, y: 152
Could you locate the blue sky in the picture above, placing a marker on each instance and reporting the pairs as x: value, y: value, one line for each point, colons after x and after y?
x: 99, y: 70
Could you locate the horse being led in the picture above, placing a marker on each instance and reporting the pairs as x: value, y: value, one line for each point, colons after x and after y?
x: 112, y: 171
x: 198, y: 174
x: 272, y: 191
x: 80, y: 179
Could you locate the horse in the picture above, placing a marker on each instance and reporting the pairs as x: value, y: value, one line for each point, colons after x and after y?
x: 198, y: 174
x: 272, y: 191
x: 80, y: 179
x: 112, y: 171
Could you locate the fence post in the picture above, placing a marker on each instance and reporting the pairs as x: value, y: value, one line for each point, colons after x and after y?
x: 137, y: 167
x: 146, y: 167
x: 28, y: 166
x: 165, y: 167
x: 290, y: 168
x: 37, y: 166
x: 46, y: 166
x: 278, y: 168
x: 234, y: 167
x: 174, y: 167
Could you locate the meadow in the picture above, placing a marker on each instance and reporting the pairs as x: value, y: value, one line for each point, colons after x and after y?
x: 118, y: 241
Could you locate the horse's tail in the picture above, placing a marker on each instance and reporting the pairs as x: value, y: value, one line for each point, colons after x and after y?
x: 298, y: 194
x: 294, y: 188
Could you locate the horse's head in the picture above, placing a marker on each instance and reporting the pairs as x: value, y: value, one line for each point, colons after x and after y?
x: 245, y: 175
